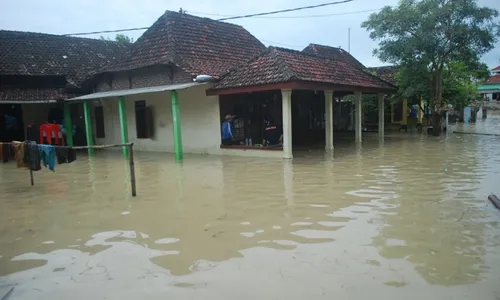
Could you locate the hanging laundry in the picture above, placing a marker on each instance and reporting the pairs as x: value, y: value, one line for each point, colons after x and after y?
x: 34, y: 156
x: 19, y: 148
x: 4, y: 152
x: 48, y: 155
x: 65, y: 155
x: 49, y: 132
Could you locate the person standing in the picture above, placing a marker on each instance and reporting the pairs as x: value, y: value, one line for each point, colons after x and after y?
x: 227, y: 132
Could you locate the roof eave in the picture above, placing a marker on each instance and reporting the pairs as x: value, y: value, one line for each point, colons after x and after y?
x: 299, y: 85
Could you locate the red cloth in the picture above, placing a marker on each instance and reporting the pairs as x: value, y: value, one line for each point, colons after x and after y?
x: 48, y: 130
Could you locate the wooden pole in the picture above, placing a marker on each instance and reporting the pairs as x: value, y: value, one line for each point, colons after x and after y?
x: 31, y: 177
x: 132, y: 168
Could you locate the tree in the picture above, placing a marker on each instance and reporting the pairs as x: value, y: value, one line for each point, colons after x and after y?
x: 121, y: 38
x: 426, y: 37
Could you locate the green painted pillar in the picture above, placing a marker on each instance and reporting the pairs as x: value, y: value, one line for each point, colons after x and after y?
x: 176, y: 122
x: 68, y: 124
x: 88, y: 125
x: 122, y: 110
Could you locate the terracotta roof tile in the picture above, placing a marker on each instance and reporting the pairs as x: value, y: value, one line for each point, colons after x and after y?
x: 388, y: 73
x: 493, y: 79
x: 197, y: 45
x: 333, y: 53
x: 40, y: 54
x: 496, y: 69
x: 278, y: 65
x: 34, y: 94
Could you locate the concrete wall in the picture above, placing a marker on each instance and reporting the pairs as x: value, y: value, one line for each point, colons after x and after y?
x: 200, y: 121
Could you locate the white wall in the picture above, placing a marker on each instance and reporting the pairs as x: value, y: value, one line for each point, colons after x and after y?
x: 200, y: 121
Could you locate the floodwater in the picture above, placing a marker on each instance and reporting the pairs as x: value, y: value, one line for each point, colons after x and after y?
x: 407, y: 218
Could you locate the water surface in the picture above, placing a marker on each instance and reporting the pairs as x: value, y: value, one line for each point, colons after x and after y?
x: 404, y: 218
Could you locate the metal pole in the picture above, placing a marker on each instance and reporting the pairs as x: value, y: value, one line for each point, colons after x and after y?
x: 68, y: 125
x: 122, y: 111
x: 349, y: 40
x: 132, y: 169
x: 176, y: 122
x: 88, y: 126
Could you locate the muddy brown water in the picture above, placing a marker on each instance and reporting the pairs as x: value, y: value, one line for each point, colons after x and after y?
x: 407, y: 218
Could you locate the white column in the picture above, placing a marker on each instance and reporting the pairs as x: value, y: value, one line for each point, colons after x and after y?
x: 358, y: 116
x: 286, y: 96
x: 328, y: 120
x: 381, y: 106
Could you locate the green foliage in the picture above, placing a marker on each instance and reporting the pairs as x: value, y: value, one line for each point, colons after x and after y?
x: 427, y: 38
x: 120, y: 38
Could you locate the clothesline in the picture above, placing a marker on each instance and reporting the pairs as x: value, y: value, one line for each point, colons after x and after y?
x: 82, y: 147
x: 130, y: 156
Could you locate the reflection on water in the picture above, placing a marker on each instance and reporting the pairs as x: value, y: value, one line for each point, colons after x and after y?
x: 405, y: 217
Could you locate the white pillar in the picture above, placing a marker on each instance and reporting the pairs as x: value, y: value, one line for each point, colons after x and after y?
x: 286, y: 96
x: 328, y: 120
x: 358, y: 116
x: 381, y: 115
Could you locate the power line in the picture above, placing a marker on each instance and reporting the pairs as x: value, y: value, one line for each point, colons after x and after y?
x: 284, y: 10
x: 235, y: 17
x: 295, y: 17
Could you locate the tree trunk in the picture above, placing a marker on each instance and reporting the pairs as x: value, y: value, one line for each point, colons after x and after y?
x: 437, y: 99
x: 436, y: 123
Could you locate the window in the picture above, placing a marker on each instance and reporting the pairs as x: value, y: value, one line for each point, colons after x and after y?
x: 99, y: 122
x: 144, y: 124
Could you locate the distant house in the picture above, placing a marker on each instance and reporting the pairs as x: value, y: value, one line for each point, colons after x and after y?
x: 39, y: 71
x: 491, y: 89
x: 333, y: 53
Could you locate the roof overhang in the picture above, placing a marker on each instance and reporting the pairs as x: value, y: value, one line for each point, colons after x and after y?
x: 298, y: 85
x: 129, y: 92
x: 29, y: 101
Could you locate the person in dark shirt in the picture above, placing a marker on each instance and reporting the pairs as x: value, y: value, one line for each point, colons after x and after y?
x: 273, y: 135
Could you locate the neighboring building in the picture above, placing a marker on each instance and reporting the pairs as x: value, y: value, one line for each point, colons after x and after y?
x: 388, y: 73
x: 333, y: 53
x: 38, y: 71
x: 491, y: 89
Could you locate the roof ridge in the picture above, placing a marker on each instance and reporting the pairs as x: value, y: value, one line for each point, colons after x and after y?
x: 35, y: 35
x: 198, y: 17
x: 289, y: 74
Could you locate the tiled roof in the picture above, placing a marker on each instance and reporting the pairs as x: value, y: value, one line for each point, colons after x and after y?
x: 388, y: 73
x: 197, y: 45
x: 278, y: 65
x: 39, y: 54
x: 496, y: 69
x: 333, y: 53
x: 493, y: 79
x: 32, y: 94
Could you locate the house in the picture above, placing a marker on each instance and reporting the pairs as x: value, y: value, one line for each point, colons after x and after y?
x: 148, y: 96
x: 296, y: 89
x: 145, y: 96
x: 39, y: 71
x: 491, y: 89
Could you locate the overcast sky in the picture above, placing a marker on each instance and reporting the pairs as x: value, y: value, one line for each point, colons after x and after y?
x: 63, y: 16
